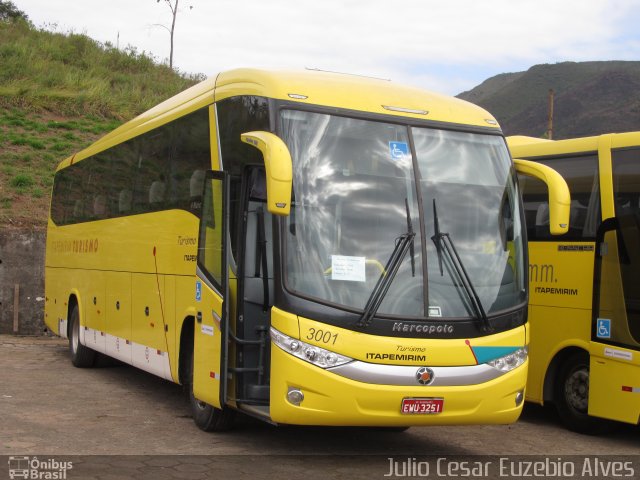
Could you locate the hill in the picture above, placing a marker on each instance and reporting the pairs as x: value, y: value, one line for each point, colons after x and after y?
x: 590, y: 98
x: 59, y: 92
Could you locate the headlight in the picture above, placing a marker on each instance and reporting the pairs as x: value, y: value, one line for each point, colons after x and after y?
x: 511, y: 361
x: 310, y: 353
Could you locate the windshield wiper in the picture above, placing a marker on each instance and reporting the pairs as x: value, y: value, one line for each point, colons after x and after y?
x: 437, y: 238
x: 403, y: 244
x: 444, y: 242
x: 412, y: 250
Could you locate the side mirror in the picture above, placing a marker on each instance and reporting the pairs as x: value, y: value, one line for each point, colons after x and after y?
x: 559, y: 196
x: 278, y: 167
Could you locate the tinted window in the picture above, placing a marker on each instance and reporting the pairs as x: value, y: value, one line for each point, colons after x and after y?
x: 626, y: 190
x: 159, y: 170
x: 238, y: 115
x: 581, y: 175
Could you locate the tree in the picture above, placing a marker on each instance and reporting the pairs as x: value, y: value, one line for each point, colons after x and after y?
x: 173, y: 6
x: 9, y: 12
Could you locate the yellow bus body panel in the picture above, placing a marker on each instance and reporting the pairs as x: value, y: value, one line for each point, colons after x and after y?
x: 618, y: 383
x: 330, y: 399
x: 135, y: 270
x: 560, y: 298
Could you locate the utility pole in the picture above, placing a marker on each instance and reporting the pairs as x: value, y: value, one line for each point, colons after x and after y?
x: 550, y: 117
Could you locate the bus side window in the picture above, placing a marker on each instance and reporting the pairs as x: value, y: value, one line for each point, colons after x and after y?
x: 100, y: 207
x: 151, y: 170
x: 542, y: 219
x: 78, y: 210
x: 196, y: 183
x: 120, y: 177
x: 125, y: 199
x: 581, y: 175
x: 157, y: 191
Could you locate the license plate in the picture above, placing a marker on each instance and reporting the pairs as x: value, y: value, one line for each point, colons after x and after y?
x: 422, y: 406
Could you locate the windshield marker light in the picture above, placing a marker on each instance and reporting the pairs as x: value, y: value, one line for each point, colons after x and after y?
x: 491, y: 121
x: 309, y: 353
x: 511, y: 361
x: 405, y: 110
x: 298, y: 96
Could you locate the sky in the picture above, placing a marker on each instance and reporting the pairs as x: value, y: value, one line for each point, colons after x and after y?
x: 448, y: 46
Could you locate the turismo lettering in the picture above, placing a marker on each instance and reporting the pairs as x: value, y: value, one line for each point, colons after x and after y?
x: 187, y: 241
x: 76, y: 246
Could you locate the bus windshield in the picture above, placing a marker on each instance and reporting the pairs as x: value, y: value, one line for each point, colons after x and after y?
x: 355, y: 196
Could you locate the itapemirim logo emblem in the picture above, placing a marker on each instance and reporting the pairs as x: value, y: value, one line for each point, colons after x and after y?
x: 32, y: 468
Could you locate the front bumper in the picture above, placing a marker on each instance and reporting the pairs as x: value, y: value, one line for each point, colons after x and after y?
x: 331, y: 399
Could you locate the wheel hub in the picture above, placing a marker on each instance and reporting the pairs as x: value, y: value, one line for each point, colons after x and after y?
x: 577, y: 390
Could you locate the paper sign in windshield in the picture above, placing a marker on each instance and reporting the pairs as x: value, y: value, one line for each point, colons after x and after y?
x: 350, y: 269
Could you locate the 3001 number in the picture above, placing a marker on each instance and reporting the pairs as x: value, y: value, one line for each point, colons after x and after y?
x: 324, y: 336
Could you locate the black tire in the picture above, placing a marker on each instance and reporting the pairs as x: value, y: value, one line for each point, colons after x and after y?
x: 571, y: 396
x: 207, y: 417
x: 81, y: 356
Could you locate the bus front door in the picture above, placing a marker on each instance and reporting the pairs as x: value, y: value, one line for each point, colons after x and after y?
x: 614, y: 379
x: 212, y: 294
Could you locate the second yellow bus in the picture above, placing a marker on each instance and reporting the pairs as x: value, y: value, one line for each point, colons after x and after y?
x: 585, y: 285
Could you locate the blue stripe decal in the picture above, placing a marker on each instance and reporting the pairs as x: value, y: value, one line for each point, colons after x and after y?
x: 486, y: 354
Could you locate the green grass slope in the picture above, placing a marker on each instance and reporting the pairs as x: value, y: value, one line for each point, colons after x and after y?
x: 591, y: 98
x: 59, y: 93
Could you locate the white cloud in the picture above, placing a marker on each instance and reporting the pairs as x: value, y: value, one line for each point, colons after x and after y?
x: 427, y: 43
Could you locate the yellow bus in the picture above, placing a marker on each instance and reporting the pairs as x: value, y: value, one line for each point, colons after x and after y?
x: 307, y: 248
x: 584, y: 285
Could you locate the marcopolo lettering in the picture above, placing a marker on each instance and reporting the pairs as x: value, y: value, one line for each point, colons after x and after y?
x: 427, y: 329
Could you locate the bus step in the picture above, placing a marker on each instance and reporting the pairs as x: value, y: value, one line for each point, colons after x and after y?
x: 245, y: 370
x: 258, y: 392
x: 260, y: 411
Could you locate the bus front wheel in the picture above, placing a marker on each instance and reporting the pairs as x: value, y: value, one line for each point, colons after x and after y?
x: 571, y: 395
x: 81, y: 356
x: 205, y: 416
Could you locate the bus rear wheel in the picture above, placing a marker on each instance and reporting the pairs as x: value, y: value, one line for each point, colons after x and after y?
x: 571, y: 396
x: 81, y: 356
x: 207, y: 417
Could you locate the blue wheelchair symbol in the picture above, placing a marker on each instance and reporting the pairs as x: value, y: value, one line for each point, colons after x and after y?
x: 198, y: 291
x: 399, y: 150
x: 603, y: 328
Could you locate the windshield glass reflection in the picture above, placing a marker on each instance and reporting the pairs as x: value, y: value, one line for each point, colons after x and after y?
x: 353, y: 180
x: 470, y: 179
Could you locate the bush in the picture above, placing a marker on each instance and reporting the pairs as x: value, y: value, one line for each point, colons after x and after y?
x: 22, y: 180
